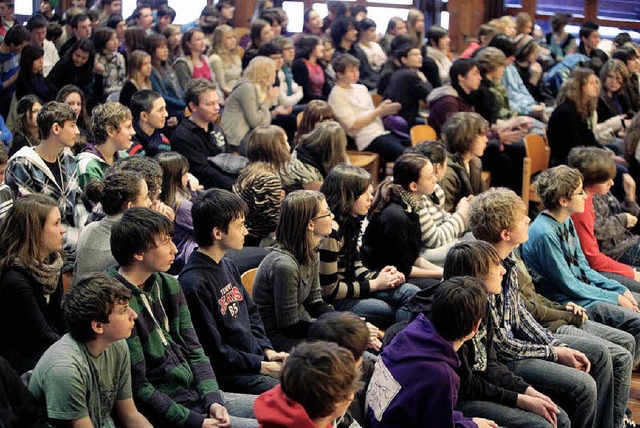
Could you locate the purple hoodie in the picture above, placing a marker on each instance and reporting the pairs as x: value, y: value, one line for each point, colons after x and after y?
x: 414, y: 382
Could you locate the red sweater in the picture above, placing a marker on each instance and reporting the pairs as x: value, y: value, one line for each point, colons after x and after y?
x: 598, y: 261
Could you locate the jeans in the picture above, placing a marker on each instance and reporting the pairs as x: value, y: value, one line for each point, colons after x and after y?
x: 383, y: 308
x: 504, y: 416
x: 240, y: 408
x: 620, y: 318
x: 390, y: 146
x: 601, y: 371
x: 631, y: 284
x: 573, y: 390
x: 621, y: 346
x: 631, y: 257
x: 247, y: 383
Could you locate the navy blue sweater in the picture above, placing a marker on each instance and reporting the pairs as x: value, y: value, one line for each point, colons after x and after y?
x: 224, y: 315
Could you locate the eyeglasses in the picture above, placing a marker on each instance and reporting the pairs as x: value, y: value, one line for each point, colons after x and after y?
x: 580, y: 193
x: 329, y: 214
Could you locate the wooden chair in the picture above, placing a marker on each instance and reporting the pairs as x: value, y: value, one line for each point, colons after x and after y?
x: 420, y: 133
x: 368, y: 161
x: 377, y: 99
x: 247, y: 279
x: 537, y: 159
x: 241, y: 31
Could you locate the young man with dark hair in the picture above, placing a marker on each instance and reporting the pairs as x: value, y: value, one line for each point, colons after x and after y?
x: 50, y: 168
x: 550, y: 362
x: 81, y: 29
x: 344, y: 34
x: 149, y: 112
x: 173, y: 382
x: 112, y: 129
x: 198, y: 138
x: 349, y: 331
x: 85, y: 377
x: 12, y: 44
x: 589, y: 40
x: 421, y: 361
x: 319, y: 381
x: 224, y: 315
x: 37, y: 26
x: 408, y: 85
x: 142, y: 17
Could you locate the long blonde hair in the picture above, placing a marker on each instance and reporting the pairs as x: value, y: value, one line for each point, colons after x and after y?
x: 412, y: 18
x: 261, y: 71
x: 218, y: 45
x: 136, y: 59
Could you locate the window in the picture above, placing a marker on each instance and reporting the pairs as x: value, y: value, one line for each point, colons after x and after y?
x: 23, y: 7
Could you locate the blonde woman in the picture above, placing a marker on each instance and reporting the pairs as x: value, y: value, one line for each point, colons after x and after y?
x: 415, y: 25
x: 248, y: 105
x: 225, y: 58
x: 139, y: 73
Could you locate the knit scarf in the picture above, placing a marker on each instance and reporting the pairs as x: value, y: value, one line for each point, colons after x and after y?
x: 47, y: 273
x: 409, y: 201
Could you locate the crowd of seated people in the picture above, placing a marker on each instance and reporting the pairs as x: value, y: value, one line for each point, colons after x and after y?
x: 188, y: 239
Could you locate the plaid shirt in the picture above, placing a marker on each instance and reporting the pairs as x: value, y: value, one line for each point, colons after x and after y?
x: 517, y: 334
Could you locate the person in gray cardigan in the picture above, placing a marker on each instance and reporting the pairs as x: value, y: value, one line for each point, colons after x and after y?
x: 248, y: 106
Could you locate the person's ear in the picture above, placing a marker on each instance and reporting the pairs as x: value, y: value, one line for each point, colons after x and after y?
x: 311, y: 226
x: 97, y: 327
x: 144, y: 116
x: 413, y: 186
x: 505, y: 235
x: 55, y: 128
x: 477, y: 327
x: 111, y: 132
x: 139, y: 256
x: 216, y: 233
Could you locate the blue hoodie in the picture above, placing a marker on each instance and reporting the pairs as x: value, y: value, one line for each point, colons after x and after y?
x: 415, y: 383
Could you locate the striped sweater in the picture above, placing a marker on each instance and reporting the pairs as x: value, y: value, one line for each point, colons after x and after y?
x: 342, y: 276
x: 262, y: 191
x: 438, y: 226
x: 173, y: 381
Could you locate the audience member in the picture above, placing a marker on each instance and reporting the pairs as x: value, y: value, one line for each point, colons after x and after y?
x: 459, y: 305
x: 109, y: 64
x: 319, y: 381
x: 437, y: 48
x: 287, y: 285
x: 308, y: 68
x: 112, y: 128
x: 116, y: 193
x: 163, y: 339
x: 164, y: 79
x: 226, y: 63
x: 197, y: 137
x: 30, y: 79
x: 368, y: 42
x: 396, y: 27
x: 74, y: 97
x: 12, y: 44
x: 392, y: 236
x: 344, y: 35
x: 261, y: 33
x: 25, y: 130
x: 149, y: 112
x: 85, y: 377
x: 80, y: 26
x: 232, y: 335
x: 259, y: 184
x: 380, y: 296
x: 138, y: 75
x: 37, y: 26
x: 75, y: 67
x: 589, y: 41
x: 31, y: 260
x: 465, y: 137
x: 193, y: 64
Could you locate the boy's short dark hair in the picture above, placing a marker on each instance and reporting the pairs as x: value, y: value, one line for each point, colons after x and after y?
x: 136, y: 232
x: 92, y: 298
x: 195, y: 89
x: 343, y: 328
x: 595, y: 164
x: 35, y: 22
x: 166, y: 10
x: 458, y: 304
x: 470, y: 258
x: 340, y: 27
x: 142, y: 101
x: 587, y: 28
x: 51, y: 113
x: 215, y: 208
x: 17, y: 35
x: 78, y: 18
x: 318, y: 375
x: 557, y: 183
x: 403, y: 51
x: 461, y: 67
x: 341, y: 62
x: 435, y: 151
